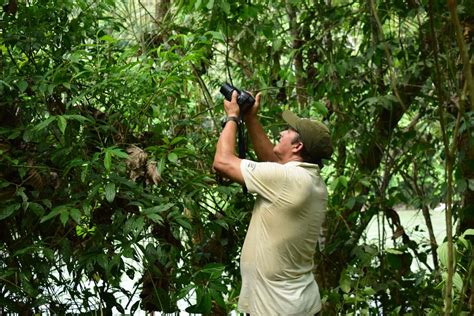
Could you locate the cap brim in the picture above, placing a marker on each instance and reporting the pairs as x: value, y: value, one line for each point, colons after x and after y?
x: 290, y: 118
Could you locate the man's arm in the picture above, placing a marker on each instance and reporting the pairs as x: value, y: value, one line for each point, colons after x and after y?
x: 261, y: 143
x: 225, y: 160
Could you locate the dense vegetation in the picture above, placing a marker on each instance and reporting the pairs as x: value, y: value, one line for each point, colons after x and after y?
x: 108, y: 122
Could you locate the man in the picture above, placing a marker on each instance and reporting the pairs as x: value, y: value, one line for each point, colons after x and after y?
x: 277, y: 256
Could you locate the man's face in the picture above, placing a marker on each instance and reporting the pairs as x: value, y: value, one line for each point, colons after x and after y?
x: 288, y: 140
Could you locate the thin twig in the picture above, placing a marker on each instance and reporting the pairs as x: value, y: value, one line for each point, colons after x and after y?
x: 393, y: 81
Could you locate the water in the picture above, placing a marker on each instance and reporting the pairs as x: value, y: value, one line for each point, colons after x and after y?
x: 414, y: 226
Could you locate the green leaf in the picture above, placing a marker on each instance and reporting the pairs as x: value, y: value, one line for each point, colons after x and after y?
x: 55, y: 212
x: 350, y: 203
x: 136, y: 225
x: 44, y: 123
x: 210, y: 4
x: 107, y: 160
x: 7, y: 211
x: 110, y: 192
x: 468, y: 232
x: 47, y: 203
x: 225, y: 7
x: 156, y: 218
x: 75, y: 215
x: 36, y: 208
x: 218, y: 297
x: 204, y: 303
x: 345, y: 283
x: 161, y: 166
x: 177, y: 140
x: 172, y: 157
x: 471, y: 184
x: 457, y: 282
x: 394, y: 251
x: 26, y: 250
x: 48, y: 253
x: 158, y: 208
x: 197, y: 4
x: 369, y: 291
x: 216, y: 35
x: 461, y: 185
x: 443, y: 254
x: 62, y: 123
x: 321, y: 108
x: 119, y: 153
x: 213, y: 268
x: 108, y: 38
x: 365, y: 182
x: 343, y: 180
x: 183, y: 222
x: 77, y: 117
x: 22, y: 85
x: 64, y: 217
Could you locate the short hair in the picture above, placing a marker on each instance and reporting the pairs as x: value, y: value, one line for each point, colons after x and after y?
x: 307, y: 157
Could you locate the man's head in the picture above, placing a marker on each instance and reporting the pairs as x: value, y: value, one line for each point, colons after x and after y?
x: 314, y: 136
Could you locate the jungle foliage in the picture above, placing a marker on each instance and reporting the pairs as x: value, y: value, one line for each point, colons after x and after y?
x: 110, y: 113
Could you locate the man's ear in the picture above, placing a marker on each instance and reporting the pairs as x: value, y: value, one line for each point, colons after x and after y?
x: 298, y: 147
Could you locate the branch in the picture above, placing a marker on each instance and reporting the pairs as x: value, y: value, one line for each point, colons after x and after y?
x: 450, y: 153
x: 393, y: 81
x: 207, y: 95
x: 462, y: 49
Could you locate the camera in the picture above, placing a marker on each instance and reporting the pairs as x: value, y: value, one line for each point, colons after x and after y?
x: 244, y: 99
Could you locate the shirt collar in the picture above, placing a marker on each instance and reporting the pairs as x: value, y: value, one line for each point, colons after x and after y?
x: 302, y: 164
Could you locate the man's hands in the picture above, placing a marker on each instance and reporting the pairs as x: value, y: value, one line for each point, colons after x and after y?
x: 252, y: 113
x: 232, y: 107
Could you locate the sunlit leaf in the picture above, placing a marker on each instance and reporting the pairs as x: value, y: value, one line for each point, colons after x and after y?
x: 172, y: 157
x: 345, y: 283
x: 107, y: 160
x: 468, y: 232
x: 110, y: 192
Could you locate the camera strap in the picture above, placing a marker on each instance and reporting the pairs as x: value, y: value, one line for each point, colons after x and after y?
x: 242, y: 144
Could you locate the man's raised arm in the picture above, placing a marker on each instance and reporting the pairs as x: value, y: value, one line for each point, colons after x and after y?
x: 261, y: 143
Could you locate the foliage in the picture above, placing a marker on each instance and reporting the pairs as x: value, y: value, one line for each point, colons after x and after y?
x: 109, y: 120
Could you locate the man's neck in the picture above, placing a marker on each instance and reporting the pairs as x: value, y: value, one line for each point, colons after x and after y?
x: 289, y: 159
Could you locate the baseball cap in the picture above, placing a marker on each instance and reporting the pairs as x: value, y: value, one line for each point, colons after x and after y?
x: 315, y: 135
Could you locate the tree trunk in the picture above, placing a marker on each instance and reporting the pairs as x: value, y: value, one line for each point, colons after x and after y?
x: 297, y: 44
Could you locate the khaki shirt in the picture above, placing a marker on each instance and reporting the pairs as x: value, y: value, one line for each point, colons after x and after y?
x: 277, y: 255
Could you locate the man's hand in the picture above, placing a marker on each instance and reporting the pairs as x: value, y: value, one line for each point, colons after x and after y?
x: 232, y: 107
x: 252, y: 112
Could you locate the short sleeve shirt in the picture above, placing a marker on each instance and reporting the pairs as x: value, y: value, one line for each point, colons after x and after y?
x: 277, y: 256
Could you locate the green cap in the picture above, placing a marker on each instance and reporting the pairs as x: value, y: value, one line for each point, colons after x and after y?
x: 315, y: 135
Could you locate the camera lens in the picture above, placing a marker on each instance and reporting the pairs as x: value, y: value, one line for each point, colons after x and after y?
x: 227, y: 90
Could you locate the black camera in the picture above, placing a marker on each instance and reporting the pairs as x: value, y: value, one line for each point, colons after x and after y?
x: 244, y: 99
